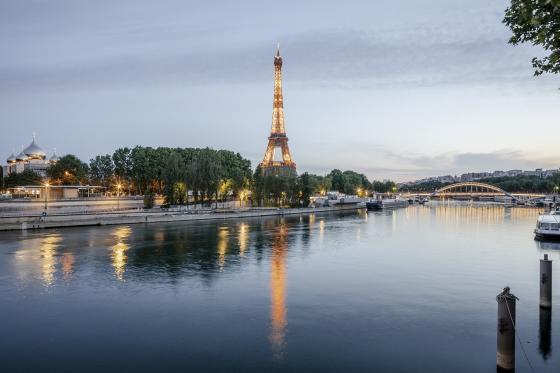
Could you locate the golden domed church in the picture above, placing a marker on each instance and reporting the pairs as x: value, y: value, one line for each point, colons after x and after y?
x: 30, y: 158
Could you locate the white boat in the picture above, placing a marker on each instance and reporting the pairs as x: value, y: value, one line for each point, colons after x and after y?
x: 387, y: 203
x: 548, y: 226
x: 334, y: 199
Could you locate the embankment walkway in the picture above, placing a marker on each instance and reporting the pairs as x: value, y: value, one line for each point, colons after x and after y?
x: 136, y: 217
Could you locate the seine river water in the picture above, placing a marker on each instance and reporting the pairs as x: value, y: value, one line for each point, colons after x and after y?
x: 411, y: 290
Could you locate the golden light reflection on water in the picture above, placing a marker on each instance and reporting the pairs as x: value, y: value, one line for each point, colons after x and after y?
x: 67, y: 262
x: 478, y: 214
x: 223, y: 240
x: 243, y: 238
x: 118, y: 251
x: 48, y: 260
x: 278, y: 309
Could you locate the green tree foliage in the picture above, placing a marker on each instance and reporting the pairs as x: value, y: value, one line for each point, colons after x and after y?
x: 537, y: 22
x: 297, y: 191
x: 351, y: 182
x: 149, y: 198
x: 428, y: 186
x: 172, y: 171
x: 69, y: 170
x: 337, y: 180
x: 525, y: 183
x: 101, y: 170
x: 27, y: 177
x: 384, y: 186
x: 308, y: 186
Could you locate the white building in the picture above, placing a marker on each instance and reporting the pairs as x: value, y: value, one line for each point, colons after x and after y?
x: 31, y: 158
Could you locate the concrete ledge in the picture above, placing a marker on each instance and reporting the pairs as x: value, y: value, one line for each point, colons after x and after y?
x: 61, y: 221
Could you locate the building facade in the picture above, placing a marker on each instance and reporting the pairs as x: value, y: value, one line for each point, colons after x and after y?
x: 30, y: 158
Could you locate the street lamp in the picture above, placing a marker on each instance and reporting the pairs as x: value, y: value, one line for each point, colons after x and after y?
x: 46, y: 193
x: 118, y: 196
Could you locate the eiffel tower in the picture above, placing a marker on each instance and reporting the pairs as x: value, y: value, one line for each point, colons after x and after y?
x: 277, y: 141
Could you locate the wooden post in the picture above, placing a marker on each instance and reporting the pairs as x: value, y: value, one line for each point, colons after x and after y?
x: 505, y: 355
x: 546, y: 282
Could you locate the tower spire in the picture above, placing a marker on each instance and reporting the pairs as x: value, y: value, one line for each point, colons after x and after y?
x: 277, y: 138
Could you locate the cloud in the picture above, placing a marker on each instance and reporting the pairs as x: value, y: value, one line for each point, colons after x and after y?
x: 414, y: 54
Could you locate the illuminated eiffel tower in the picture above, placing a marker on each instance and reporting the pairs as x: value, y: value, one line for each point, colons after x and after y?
x: 277, y: 141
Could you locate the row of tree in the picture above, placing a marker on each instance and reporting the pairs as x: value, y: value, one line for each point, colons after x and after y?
x: 173, y: 172
x: 297, y: 190
x: 204, y: 175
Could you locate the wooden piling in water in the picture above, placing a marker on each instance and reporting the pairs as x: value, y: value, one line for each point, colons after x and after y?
x: 546, y: 282
x: 505, y: 354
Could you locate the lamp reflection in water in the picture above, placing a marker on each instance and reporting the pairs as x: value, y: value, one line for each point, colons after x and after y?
x: 48, y: 259
x: 243, y: 238
x: 223, y: 238
x: 118, y: 251
x: 278, y: 309
x: 67, y: 262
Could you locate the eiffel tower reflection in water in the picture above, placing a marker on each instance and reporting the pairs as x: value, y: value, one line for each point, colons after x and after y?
x: 278, y: 309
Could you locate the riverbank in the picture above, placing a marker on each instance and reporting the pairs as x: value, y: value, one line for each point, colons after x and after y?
x: 137, y: 217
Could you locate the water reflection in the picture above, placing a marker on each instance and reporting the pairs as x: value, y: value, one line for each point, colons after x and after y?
x: 173, y: 270
x: 48, y: 259
x: 223, y: 239
x: 278, y: 308
x: 67, y: 262
x: 243, y: 238
x: 118, y: 254
x: 545, y: 325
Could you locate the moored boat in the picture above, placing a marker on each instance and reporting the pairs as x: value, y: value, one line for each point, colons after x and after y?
x: 388, y: 203
x: 548, y: 226
x: 335, y: 199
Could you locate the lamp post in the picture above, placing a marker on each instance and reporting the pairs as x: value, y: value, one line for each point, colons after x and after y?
x: 118, y: 196
x: 46, y: 194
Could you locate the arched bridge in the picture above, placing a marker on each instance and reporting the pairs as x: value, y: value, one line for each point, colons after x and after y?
x: 470, y: 189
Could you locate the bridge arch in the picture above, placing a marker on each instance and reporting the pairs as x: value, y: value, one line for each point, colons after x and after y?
x: 470, y: 188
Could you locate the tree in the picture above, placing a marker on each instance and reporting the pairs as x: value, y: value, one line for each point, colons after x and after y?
x: 27, y: 177
x: 537, y: 22
x: 149, y: 198
x: 337, y: 180
x: 308, y: 186
x: 69, y: 170
x: 174, y: 173
x: 101, y: 170
x: 123, y: 165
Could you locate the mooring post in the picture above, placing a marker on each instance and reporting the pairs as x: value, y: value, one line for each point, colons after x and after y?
x: 546, y: 282
x: 505, y: 356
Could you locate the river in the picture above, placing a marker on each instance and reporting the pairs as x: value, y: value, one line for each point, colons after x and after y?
x: 396, y: 291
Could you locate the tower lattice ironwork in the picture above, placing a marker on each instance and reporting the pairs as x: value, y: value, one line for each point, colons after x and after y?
x: 278, y: 139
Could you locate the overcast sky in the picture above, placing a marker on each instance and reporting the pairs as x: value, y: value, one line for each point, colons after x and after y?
x: 396, y: 89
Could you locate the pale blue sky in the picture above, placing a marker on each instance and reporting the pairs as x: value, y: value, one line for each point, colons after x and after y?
x: 395, y: 89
